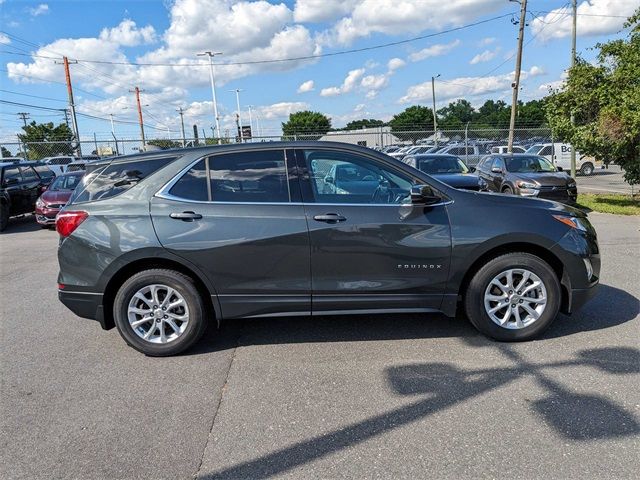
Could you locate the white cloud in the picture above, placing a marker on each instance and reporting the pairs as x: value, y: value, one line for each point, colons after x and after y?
x: 348, y: 85
x: 321, y: 10
x: 281, y: 109
x: 400, y: 17
x: 434, y: 50
x: 395, y: 63
x: 536, y: 71
x: 128, y: 34
x: 486, y: 41
x: 41, y: 9
x: 307, y: 86
x: 592, y: 19
x: 484, y: 56
x: 4, y: 40
x: 465, y: 87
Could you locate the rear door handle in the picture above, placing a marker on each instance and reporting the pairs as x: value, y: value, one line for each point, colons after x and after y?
x: 186, y: 216
x: 329, y: 218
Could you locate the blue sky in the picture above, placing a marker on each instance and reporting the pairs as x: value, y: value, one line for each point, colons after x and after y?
x: 475, y: 63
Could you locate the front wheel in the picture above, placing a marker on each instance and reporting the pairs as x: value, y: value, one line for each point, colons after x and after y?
x: 513, y: 297
x: 159, y: 312
x: 507, y: 191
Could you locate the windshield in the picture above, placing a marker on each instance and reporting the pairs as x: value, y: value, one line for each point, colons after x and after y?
x: 535, y: 149
x: 438, y: 165
x: 528, y: 165
x: 66, y: 182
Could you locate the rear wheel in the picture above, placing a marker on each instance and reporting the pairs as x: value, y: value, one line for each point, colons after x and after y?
x: 159, y: 312
x: 4, y: 216
x: 513, y: 297
x: 587, y: 169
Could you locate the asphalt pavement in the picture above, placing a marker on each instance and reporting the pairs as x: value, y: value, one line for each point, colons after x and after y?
x: 389, y: 396
x: 610, y: 180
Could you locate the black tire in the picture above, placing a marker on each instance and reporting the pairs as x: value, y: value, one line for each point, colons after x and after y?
x: 587, y: 169
x: 4, y: 216
x: 185, y: 286
x: 507, y: 190
x: 474, y: 296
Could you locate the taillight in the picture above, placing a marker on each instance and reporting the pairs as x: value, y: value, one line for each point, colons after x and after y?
x: 67, y: 222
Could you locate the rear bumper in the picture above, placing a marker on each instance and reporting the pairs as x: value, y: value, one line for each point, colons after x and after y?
x: 84, y: 304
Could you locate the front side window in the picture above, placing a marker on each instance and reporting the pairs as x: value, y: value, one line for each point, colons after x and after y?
x: 44, y: 171
x: 342, y: 177
x: 497, y: 163
x: 28, y: 174
x: 529, y: 165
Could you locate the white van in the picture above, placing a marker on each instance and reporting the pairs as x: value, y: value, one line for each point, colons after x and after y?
x: 560, y: 155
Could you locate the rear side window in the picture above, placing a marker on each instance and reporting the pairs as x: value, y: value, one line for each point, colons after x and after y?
x: 116, y: 178
x: 11, y: 175
x: 28, y: 174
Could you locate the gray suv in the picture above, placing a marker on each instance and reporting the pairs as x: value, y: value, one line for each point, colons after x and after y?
x: 161, y: 244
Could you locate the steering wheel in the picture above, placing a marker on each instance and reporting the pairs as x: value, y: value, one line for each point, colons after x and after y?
x: 382, y: 194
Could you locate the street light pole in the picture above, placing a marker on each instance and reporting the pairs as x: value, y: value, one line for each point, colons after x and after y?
x: 213, y: 87
x: 435, y: 118
x: 237, y: 90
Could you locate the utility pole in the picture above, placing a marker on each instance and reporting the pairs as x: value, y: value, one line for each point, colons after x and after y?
x: 237, y: 90
x: 137, y: 92
x: 184, y: 138
x: 213, y: 87
x: 113, y: 133
x: 574, y: 7
x: 516, y: 82
x: 435, y: 118
x: 72, y: 106
x: 251, y: 121
x: 24, y: 116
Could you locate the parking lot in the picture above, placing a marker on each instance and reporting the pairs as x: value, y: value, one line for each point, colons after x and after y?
x: 609, y: 180
x: 399, y: 396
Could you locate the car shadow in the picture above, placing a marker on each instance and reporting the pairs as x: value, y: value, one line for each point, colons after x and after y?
x: 595, y: 315
x: 22, y: 224
x: 434, y: 387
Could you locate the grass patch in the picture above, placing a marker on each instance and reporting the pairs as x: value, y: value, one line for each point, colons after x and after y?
x: 609, y: 203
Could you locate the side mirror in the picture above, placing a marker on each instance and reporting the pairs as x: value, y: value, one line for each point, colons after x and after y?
x: 423, y: 195
x: 472, y: 169
x: 560, y: 169
x: 44, y: 188
x: 496, y: 169
x: 328, y: 180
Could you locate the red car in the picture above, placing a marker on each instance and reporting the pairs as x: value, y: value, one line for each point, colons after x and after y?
x: 55, y: 197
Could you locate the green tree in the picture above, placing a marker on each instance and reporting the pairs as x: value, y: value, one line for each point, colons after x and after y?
x: 364, y: 123
x: 414, y: 119
x: 605, y: 100
x: 45, y: 140
x: 164, y: 143
x: 456, y: 115
x: 306, y: 124
x: 531, y: 114
x: 494, y: 114
x: 5, y: 153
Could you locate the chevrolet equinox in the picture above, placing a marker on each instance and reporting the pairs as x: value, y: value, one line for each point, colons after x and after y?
x: 162, y: 243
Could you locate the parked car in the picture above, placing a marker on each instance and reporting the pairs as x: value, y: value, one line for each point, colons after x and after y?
x: 559, y: 154
x: 470, y: 154
x: 20, y: 187
x: 12, y: 159
x: 448, y: 169
x: 160, y: 244
x: 55, y: 197
x: 501, y: 149
x: 527, y: 175
x: 58, y: 163
x: 77, y: 166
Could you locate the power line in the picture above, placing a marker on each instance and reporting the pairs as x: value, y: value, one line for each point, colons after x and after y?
x: 33, y: 96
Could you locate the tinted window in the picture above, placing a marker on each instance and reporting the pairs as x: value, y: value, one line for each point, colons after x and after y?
x: 44, y: 171
x: 193, y: 184
x: 28, y: 174
x: 259, y: 176
x: 116, y: 178
x: 341, y: 177
x: 11, y: 173
x: 439, y: 165
x: 529, y: 165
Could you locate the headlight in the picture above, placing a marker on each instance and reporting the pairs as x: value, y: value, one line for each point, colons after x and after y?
x: 522, y: 184
x: 482, y: 184
x: 40, y: 203
x: 573, y: 222
x: 571, y: 185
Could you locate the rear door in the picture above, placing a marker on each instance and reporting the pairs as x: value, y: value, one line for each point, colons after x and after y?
x: 12, y: 183
x: 371, y: 250
x: 239, y: 217
x: 30, y: 185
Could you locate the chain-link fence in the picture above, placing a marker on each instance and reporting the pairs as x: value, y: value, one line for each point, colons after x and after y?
x: 468, y: 144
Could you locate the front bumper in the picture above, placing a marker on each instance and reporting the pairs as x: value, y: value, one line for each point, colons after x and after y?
x: 46, y: 216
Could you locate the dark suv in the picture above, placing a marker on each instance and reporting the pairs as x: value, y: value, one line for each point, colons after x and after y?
x: 162, y: 243
x: 21, y: 184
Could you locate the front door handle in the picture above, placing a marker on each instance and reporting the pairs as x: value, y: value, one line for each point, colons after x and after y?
x: 186, y: 216
x: 329, y: 218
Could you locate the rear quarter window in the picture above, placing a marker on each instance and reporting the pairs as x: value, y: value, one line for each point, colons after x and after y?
x: 116, y: 178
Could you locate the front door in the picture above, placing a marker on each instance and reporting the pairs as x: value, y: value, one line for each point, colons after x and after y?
x: 238, y: 217
x: 371, y: 250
